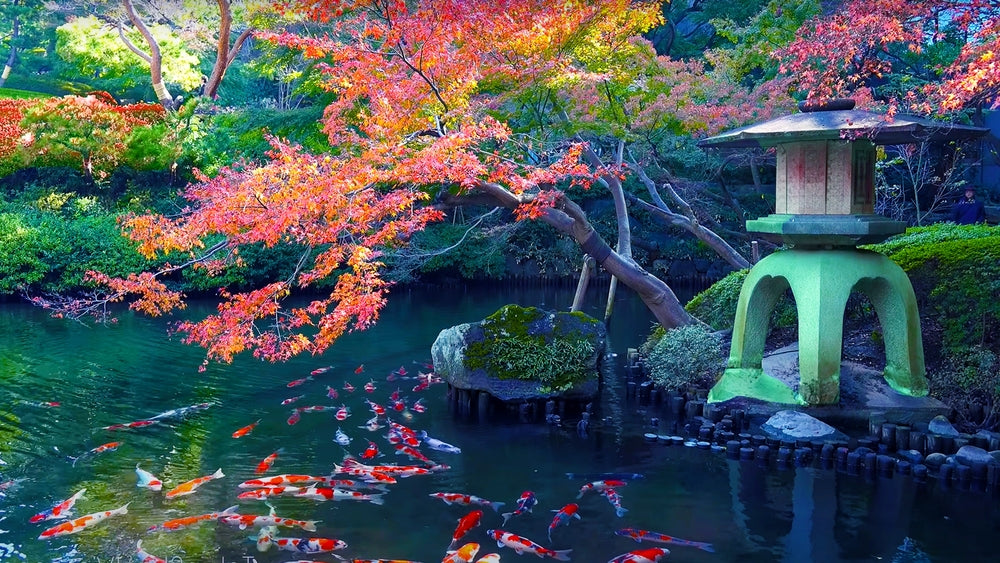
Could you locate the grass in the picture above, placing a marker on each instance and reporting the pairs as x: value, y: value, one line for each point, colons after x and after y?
x: 20, y: 94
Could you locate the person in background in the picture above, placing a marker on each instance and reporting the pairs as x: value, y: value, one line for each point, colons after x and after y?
x: 968, y: 210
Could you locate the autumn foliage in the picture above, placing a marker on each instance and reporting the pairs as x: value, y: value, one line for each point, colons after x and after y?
x: 11, y: 113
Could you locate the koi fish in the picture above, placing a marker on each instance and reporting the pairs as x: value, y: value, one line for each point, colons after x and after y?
x: 418, y: 406
x: 136, y: 424
x: 181, y: 412
x: 364, y: 472
x: 600, y: 486
x: 341, y: 438
x: 412, y: 453
x: 245, y: 430
x: 294, y: 418
x: 244, y: 521
x: 371, y: 452
x: 465, y: 523
x: 399, y: 405
x: 394, y: 396
x: 317, y: 408
x: 266, y: 533
x: 377, y: 409
x: 489, y: 558
x: 74, y: 526
x: 348, y: 387
x: 61, y: 510
x: 42, y: 404
x: 186, y: 521
x: 147, y: 479
x: 280, y: 481
x: 146, y: 557
x: 298, y: 382
x: 602, y: 476
x: 360, y: 368
x: 525, y: 503
x: 465, y: 554
x: 323, y: 493
x: 370, y: 386
x: 461, y: 498
x: 420, y: 386
x: 321, y: 370
x: 522, y: 545
x: 268, y: 461
x: 307, y: 545
x: 437, y: 445
x: 616, y: 501
x: 268, y: 492
x: 372, y: 424
x: 644, y: 535
x: 650, y: 555
x: 109, y: 447
x: 342, y: 413
x: 291, y: 400
x: 189, y: 487
x: 563, y: 516
x: 331, y: 392
x: 354, y: 485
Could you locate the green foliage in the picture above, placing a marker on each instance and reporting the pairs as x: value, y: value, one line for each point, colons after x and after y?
x: 685, y: 356
x: 969, y: 380
x: 258, y: 265
x: 477, y: 256
x: 20, y: 94
x: 514, y: 347
x: 716, y: 306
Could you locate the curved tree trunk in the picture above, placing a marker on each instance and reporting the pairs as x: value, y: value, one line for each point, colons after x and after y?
x: 224, y: 54
x: 13, y: 50
x: 154, y: 58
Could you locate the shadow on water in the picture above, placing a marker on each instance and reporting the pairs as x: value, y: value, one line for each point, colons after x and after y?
x: 107, y: 375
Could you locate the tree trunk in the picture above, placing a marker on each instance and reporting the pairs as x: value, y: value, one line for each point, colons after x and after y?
x: 13, y: 51
x: 224, y: 54
x: 154, y: 58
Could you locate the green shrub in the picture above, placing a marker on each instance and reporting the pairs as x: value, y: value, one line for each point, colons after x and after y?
x: 685, y: 356
x: 969, y: 381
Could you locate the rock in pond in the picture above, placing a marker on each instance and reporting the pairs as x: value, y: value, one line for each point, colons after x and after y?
x: 795, y: 425
x: 523, y: 354
x: 941, y: 426
x: 969, y: 455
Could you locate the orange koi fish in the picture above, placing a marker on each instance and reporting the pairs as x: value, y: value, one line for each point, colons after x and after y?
x: 464, y: 499
x: 489, y: 558
x: 109, y: 447
x: 281, y: 481
x: 244, y: 521
x: 263, y: 466
x: 522, y: 545
x: 74, y: 526
x: 145, y: 557
x: 245, y: 430
x: 268, y: 492
x: 398, y: 470
x: 364, y: 472
x: 651, y: 555
x: 465, y: 523
x: 324, y: 493
x: 465, y: 554
x: 189, y: 487
x: 147, y: 479
x: 61, y: 510
x: 186, y: 521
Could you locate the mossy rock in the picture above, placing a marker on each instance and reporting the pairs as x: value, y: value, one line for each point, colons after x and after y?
x: 524, y: 353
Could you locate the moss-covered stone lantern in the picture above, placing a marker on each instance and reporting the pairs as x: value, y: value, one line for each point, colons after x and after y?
x: 824, y: 209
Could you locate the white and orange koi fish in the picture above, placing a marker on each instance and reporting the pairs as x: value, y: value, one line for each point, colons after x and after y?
x: 74, y: 526
x: 61, y: 510
x: 281, y: 481
x: 147, y: 479
x: 268, y: 492
x: 464, y: 554
x: 600, y: 486
x: 189, y: 487
x: 186, y: 521
x: 305, y: 545
x: 522, y: 545
x: 145, y: 557
x: 464, y: 499
x: 324, y: 493
x: 244, y: 521
x: 109, y: 447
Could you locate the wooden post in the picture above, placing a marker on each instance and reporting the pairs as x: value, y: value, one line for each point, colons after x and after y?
x: 589, y: 264
x: 754, y: 252
x: 611, y: 299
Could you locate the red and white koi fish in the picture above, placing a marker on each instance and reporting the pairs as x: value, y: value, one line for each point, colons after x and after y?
x: 127, y: 425
x: 399, y: 405
x: 189, y: 487
x: 360, y: 368
x: 147, y: 479
x: 420, y: 386
x: 298, y: 382
x: 294, y: 418
x: 522, y: 545
x: 268, y: 461
x: 181, y: 412
x: 244, y: 521
x: 525, y: 503
x: 348, y: 387
x: 377, y: 409
x: 307, y: 545
x: 42, y: 404
x: 245, y: 430
x: 464, y: 554
x: 146, y: 557
x: 321, y: 370
x: 650, y: 555
x: 74, y: 526
x: 61, y: 510
x: 465, y: 523
x: 186, y: 521
x: 616, y: 501
x: 370, y: 386
x: 464, y: 499
x: 600, y: 486
x: 324, y: 493
x: 644, y: 535
x: 372, y: 424
x: 371, y: 452
x: 331, y: 392
x: 317, y: 408
x: 418, y: 406
x: 394, y: 396
x: 268, y: 492
x: 109, y: 447
x: 281, y: 481
x: 397, y: 470
x: 563, y: 516
x: 354, y: 485
x: 489, y: 558
x: 291, y: 400
x: 364, y: 472
x: 413, y: 453
x: 342, y: 413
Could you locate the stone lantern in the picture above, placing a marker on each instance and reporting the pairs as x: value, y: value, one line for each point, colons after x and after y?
x: 824, y: 209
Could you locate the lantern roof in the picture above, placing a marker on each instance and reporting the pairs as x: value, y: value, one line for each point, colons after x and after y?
x: 816, y: 123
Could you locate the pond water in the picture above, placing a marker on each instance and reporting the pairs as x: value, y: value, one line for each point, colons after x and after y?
x: 102, y: 376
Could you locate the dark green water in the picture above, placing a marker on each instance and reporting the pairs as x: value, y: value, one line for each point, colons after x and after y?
x: 131, y: 371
